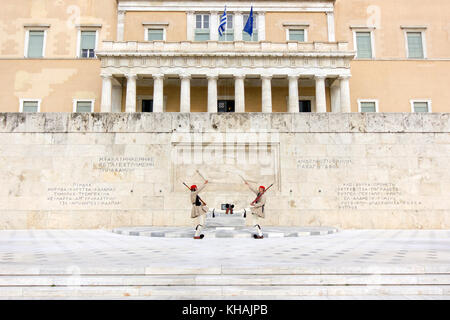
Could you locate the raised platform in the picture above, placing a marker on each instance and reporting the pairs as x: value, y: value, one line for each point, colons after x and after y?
x: 224, y: 232
x: 221, y: 225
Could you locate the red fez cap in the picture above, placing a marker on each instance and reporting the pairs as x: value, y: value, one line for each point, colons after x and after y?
x: 193, y: 187
x: 262, y: 187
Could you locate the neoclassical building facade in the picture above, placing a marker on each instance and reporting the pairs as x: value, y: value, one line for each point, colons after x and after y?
x: 168, y: 56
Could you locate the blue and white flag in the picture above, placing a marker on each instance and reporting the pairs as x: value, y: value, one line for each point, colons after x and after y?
x: 223, y: 22
x: 249, y: 25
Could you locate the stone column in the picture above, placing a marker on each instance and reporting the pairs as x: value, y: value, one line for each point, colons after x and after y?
x: 190, y: 24
x: 239, y: 93
x: 214, y: 26
x: 185, y: 93
x: 158, y: 93
x: 120, y: 25
x: 130, y: 105
x: 293, y: 94
x: 106, y: 105
x: 331, y: 30
x: 261, y: 26
x: 335, y: 96
x: 345, y: 93
x: 212, y: 93
x: 266, y: 93
x: 238, y: 25
x: 321, y: 102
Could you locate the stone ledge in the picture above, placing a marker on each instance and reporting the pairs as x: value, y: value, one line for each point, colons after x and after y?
x: 235, y: 122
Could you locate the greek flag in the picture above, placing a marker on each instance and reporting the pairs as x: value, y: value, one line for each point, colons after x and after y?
x: 249, y: 25
x: 223, y: 22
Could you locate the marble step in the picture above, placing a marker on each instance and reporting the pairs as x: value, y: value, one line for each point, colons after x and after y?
x: 224, y: 280
x: 211, y: 292
x: 222, y: 270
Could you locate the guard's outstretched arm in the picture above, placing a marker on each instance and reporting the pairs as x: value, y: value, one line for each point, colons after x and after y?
x: 251, y: 188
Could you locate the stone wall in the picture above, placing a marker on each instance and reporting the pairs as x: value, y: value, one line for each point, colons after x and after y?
x: 71, y: 170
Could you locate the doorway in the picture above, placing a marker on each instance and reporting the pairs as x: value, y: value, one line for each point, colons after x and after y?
x: 225, y: 105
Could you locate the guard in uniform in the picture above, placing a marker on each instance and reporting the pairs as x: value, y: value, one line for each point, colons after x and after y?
x: 199, y: 209
x: 257, y: 209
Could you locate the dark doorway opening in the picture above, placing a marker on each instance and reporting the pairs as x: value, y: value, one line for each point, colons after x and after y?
x: 225, y: 106
x: 147, y: 105
x: 304, y: 106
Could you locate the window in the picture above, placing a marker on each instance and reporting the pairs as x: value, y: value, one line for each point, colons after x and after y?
x: 88, y: 42
x: 30, y: 105
x: 228, y: 35
x: 155, y: 34
x: 296, y: 35
x: 245, y: 35
x: 415, y: 45
x: 36, y: 44
x: 83, y: 106
x: 202, y: 27
x: 368, y: 105
x: 363, y: 42
x: 421, y: 106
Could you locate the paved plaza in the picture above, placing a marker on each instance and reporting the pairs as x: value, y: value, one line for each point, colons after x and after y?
x: 230, y: 263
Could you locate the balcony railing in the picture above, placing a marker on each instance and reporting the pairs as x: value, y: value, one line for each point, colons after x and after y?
x: 214, y: 47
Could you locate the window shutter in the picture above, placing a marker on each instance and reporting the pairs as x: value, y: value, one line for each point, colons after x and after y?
x: 84, y: 106
x: 35, y: 44
x: 155, y: 34
x: 88, y: 40
x: 420, y: 106
x: 297, y: 35
x: 368, y: 106
x: 30, y: 106
x: 415, y: 48
x: 364, y: 45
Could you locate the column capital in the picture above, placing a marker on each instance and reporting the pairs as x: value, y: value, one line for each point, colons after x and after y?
x: 239, y: 76
x: 157, y: 76
x: 105, y: 75
x: 131, y: 76
x: 212, y: 76
x: 266, y: 76
x: 190, y: 11
x: 261, y: 13
x: 320, y: 77
x: 293, y: 77
x: 239, y: 11
x: 344, y: 77
x: 184, y: 76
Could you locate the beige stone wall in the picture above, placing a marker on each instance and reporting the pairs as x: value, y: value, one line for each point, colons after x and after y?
x: 395, y: 83
x: 276, y: 32
x: 55, y: 82
x: 175, y: 31
x: 59, y: 78
x: 63, y: 16
x: 62, y: 170
x: 388, y: 16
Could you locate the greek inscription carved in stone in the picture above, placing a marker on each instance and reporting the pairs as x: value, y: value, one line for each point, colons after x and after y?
x: 123, y: 164
x: 323, y: 163
x: 358, y: 195
x: 83, y: 194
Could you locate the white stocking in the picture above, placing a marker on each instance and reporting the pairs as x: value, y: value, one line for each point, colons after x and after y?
x: 200, y: 224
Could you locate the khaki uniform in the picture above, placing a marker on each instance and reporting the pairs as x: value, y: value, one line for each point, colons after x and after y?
x: 257, y: 208
x: 197, y: 210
